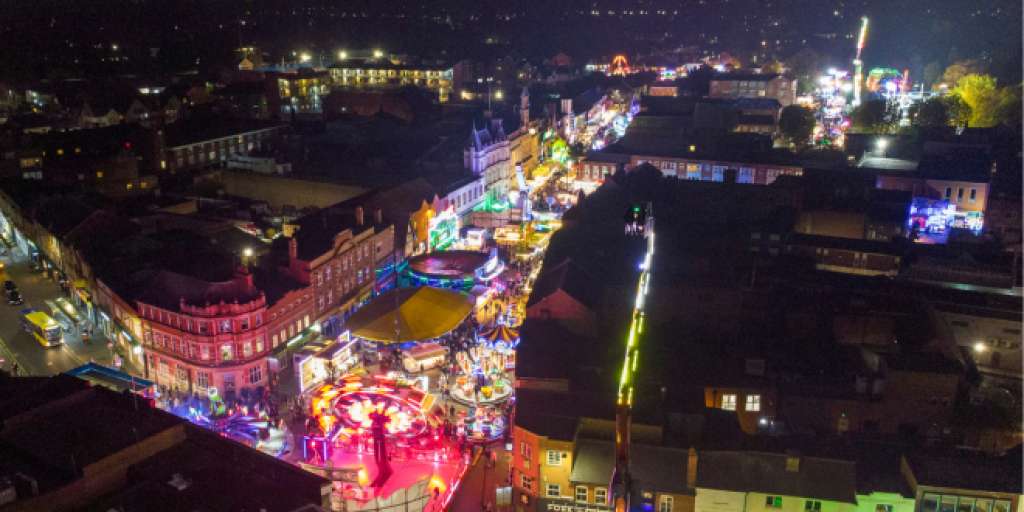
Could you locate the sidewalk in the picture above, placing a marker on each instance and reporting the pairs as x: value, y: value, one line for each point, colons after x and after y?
x: 479, y: 485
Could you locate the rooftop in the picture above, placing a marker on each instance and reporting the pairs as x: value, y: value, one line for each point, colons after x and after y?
x: 209, y: 474
x: 969, y: 472
x: 656, y: 468
x: 778, y: 474
x: 191, y: 131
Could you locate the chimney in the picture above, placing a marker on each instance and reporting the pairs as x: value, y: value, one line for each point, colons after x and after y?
x: 378, y: 216
x: 293, y: 249
x: 359, y: 215
x: 691, y: 469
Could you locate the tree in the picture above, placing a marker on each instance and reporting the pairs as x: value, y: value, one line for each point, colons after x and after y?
x: 959, y: 112
x: 930, y: 114
x: 957, y: 70
x: 932, y: 72
x: 980, y: 93
x: 872, y: 117
x: 797, y: 124
x: 805, y: 65
x: 1009, y: 107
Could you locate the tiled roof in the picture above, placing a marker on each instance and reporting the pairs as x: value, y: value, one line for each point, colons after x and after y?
x: 769, y: 473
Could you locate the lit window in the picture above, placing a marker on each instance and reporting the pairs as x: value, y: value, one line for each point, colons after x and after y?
x: 524, y: 449
x: 554, y: 458
x: 247, y: 349
x: 812, y: 506
x: 665, y: 504
x: 601, y: 495
x: 581, y: 493
x: 753, y: 403
x: 773, y: 501
x: 99, y: 174
x: 553, y: 491
x: 227, y: 352
x: 202, y: 379
x: 163, y: 164
x: 729, y: 402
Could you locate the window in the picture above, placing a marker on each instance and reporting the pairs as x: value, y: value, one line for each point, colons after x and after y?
x: 553, y: 491
x: 255, y: 375
x: 773, y: 501
x: 225, y: 326
x: 554, y: 458
x: 182, y: 373
x: 259, y: 344
x: 600, y: 495
x: 247, y: 349
x: 883, y: 508
x: 949, y: 192
x: 524, y: 449
x: 204, y: 352
x: 273, y: 341
x: 202, y: 379
x: 753, y: 403
x: 227, y: 352
x: 526, y: 482
x: 974, y: 194
x: 812, y: 506
x: 665, y: 504
x: 581, y: 493
x: 729, y: 402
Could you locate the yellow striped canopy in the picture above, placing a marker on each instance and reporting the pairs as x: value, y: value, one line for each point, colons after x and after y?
x: 502, y: 333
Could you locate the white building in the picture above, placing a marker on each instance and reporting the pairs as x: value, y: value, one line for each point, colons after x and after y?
x: 487, y: 155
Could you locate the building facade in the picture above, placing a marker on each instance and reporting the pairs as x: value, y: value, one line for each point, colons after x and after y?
x: 208, y: 152
x: 715, y: 170
x: 197, y: 346
x: 382, y: 74
x: 754, y: 86
x: 487, y: 154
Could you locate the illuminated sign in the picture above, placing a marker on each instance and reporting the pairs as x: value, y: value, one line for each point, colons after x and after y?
x: 443, y: 229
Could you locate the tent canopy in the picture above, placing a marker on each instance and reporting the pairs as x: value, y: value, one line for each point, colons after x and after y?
x: 501, y: 333
x: 417, y: 314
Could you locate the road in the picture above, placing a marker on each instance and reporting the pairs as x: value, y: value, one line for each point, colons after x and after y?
x: 18, y: 346
x: 478, y: 487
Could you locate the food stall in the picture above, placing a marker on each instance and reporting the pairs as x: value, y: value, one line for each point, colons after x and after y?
x: 423, y: 356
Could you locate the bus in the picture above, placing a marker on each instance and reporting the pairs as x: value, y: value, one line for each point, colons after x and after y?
x: 45, y: 329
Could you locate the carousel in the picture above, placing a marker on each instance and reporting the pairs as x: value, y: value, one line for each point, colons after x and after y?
x: 483, y: 382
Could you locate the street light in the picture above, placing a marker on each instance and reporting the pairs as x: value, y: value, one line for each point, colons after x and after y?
x: 247, y: 252
x: 342, y: 55
x: 880, y: 146
x: 980, y: 347
x: 378, y: 54
x: 305, y: 57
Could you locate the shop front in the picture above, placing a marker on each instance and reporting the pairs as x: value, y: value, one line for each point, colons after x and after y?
x: 315, y: 365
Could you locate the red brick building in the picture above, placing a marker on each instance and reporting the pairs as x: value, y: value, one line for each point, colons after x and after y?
x: 339, y: 252
x: 200, y: 335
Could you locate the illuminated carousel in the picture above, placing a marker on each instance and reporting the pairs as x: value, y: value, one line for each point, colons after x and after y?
x: 484, y: 383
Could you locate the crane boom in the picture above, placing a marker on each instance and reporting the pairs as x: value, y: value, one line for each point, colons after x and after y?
x: 621, y: 481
